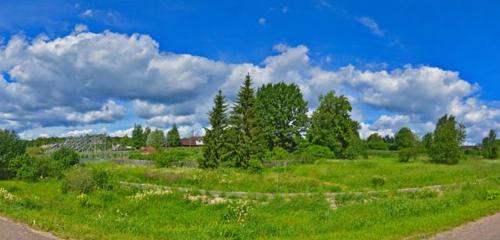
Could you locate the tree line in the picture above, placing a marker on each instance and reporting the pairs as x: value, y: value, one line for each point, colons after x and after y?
x: 275, y: 118
x: 142, y: 137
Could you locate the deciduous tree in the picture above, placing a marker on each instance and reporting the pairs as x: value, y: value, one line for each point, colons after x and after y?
x: 448, y: 137
x: 156, y: 139
x: 490, y: 145
x: 332, y: 126
x: 283, y: 114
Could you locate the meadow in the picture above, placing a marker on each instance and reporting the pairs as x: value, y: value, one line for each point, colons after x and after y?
x: 471, y: 190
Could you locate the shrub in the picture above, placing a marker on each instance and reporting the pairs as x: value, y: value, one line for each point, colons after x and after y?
x: 255, y: 165
x: 406, y: 154
x: 315, y: 152
x: 378, y: 181
x: 33, y: 168
x: 278, y: 153
x: 84, y: 180
x: 67, y: 157
x: 10, y: 147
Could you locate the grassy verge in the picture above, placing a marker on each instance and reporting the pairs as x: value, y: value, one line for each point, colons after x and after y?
x: 326, y: 176
x: 118, y: 214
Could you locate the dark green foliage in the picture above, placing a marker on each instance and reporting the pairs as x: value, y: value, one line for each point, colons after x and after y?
x: 156, y: 139
x: 332, y: 126
x: 245, y: 136
x: 83, y: 179
x: 427, y: 141
x: 391, y: 143
x: 277, y: 153
x: 406, y: 154
x: 66, y: 157
x: 315, y: 152
x: 376, y: 142
x: 215, y: 149
x: 490, y: 145
x: 378, y: 181
x: 448, y: 137
x: 405, y: 138
x: 10, y: 147
x: 165, y: 158
x: 173, y: 138
x: 282, y: 111
x: 34, y: 168
x: 138, y: 137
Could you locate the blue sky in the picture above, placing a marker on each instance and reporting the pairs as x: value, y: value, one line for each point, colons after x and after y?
x: 384, y: 55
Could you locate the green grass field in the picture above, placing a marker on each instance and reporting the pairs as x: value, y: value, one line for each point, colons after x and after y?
x: 126, y: 213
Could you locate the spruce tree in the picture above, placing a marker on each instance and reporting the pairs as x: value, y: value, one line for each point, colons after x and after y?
x: 246, y: 139
x: 173, y: 138
x: 137, y: 137
x: 215, y: 146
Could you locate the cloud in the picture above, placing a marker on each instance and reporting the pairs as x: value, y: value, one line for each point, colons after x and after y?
x: 80, y: 28
x: 88, y: 78
x: 262, y: 21
x: 372, y: 25
x: 88, y: 13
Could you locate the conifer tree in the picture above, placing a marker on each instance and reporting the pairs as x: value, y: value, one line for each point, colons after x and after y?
x: 246, y: 139
x: 215, y: 146
x: 137, y: 137
x: 173, y: 138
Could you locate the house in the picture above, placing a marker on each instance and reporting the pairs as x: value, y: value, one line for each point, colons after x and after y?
x: 192, y: 142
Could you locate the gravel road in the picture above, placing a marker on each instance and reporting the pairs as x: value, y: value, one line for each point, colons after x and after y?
x: 10, y: 230
x: 487, y: 228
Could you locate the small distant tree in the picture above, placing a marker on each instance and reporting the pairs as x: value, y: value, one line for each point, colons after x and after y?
x: 156, y: 139
x: 137, y: 137
x: 145, y: 136
x: 10, y: 147
x: 173, y: 138
x: 448, y: 137
x: 283, y: 113
x: 246, y: 140
x: 215, y: 148
x: 405, y: 138
x: 376, y: 142
x: 332, y: 126
x: 490, y: 146
x: 66, y: 157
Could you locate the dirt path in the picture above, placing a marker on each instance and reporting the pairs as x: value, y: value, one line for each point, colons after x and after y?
x: 10, y: 230
x: 487, y: 228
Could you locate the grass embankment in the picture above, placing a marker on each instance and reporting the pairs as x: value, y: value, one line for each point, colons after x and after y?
x: 326, y: 176
x: 138, y: 214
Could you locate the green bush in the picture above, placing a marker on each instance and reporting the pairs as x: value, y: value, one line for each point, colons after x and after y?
x: 315, y: 152
x: 33, y: 168
x: 278, y: 153
x: 84, y: 180
x: 406, y: 154
x: 378, y: 181
x: 67, y: 157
